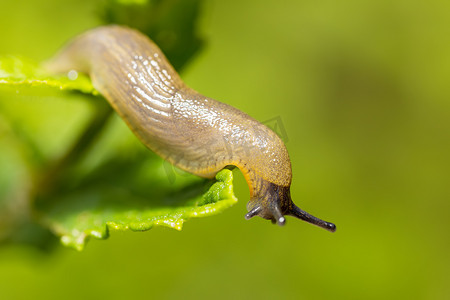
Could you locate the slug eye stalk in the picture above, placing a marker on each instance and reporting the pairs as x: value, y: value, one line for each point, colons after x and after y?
x: 303, y: 215
x: 296, y: 212
x: 273, y: 202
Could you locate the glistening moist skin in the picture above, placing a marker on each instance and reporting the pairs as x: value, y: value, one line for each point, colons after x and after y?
x: 195, y: 133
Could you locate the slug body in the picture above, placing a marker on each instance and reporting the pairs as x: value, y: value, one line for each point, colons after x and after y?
x: 195, y: 133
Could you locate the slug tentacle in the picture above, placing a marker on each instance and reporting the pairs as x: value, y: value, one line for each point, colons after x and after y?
x: 197, y: 134
x: 303, y: 215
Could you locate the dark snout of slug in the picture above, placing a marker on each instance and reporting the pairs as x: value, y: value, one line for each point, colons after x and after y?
x: 195, y: 133
x: 276, y: 203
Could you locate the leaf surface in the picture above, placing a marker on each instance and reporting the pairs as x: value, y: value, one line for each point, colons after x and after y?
x: 106, y: 180
x: 93, y: 212
x: 21, y: 72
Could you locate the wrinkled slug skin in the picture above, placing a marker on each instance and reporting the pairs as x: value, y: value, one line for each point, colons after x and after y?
x: 195, y: 133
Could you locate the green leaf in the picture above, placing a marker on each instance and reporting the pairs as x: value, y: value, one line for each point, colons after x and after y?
x: 117, y: 193
x: 97, y: 180
x: 93, y: 212
x: 17, y: 72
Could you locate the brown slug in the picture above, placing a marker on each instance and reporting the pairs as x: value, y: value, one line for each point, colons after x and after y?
x: 195, y: 133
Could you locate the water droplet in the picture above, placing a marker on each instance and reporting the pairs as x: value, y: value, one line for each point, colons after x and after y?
x: 72, y: 75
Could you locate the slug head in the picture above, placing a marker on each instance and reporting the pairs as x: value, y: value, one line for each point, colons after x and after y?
x: 273, y: 202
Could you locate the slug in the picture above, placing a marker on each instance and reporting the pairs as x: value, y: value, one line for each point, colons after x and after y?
x: 195, y: 133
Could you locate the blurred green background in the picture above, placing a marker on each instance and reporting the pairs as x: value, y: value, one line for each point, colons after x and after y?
x: 362, y: 90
